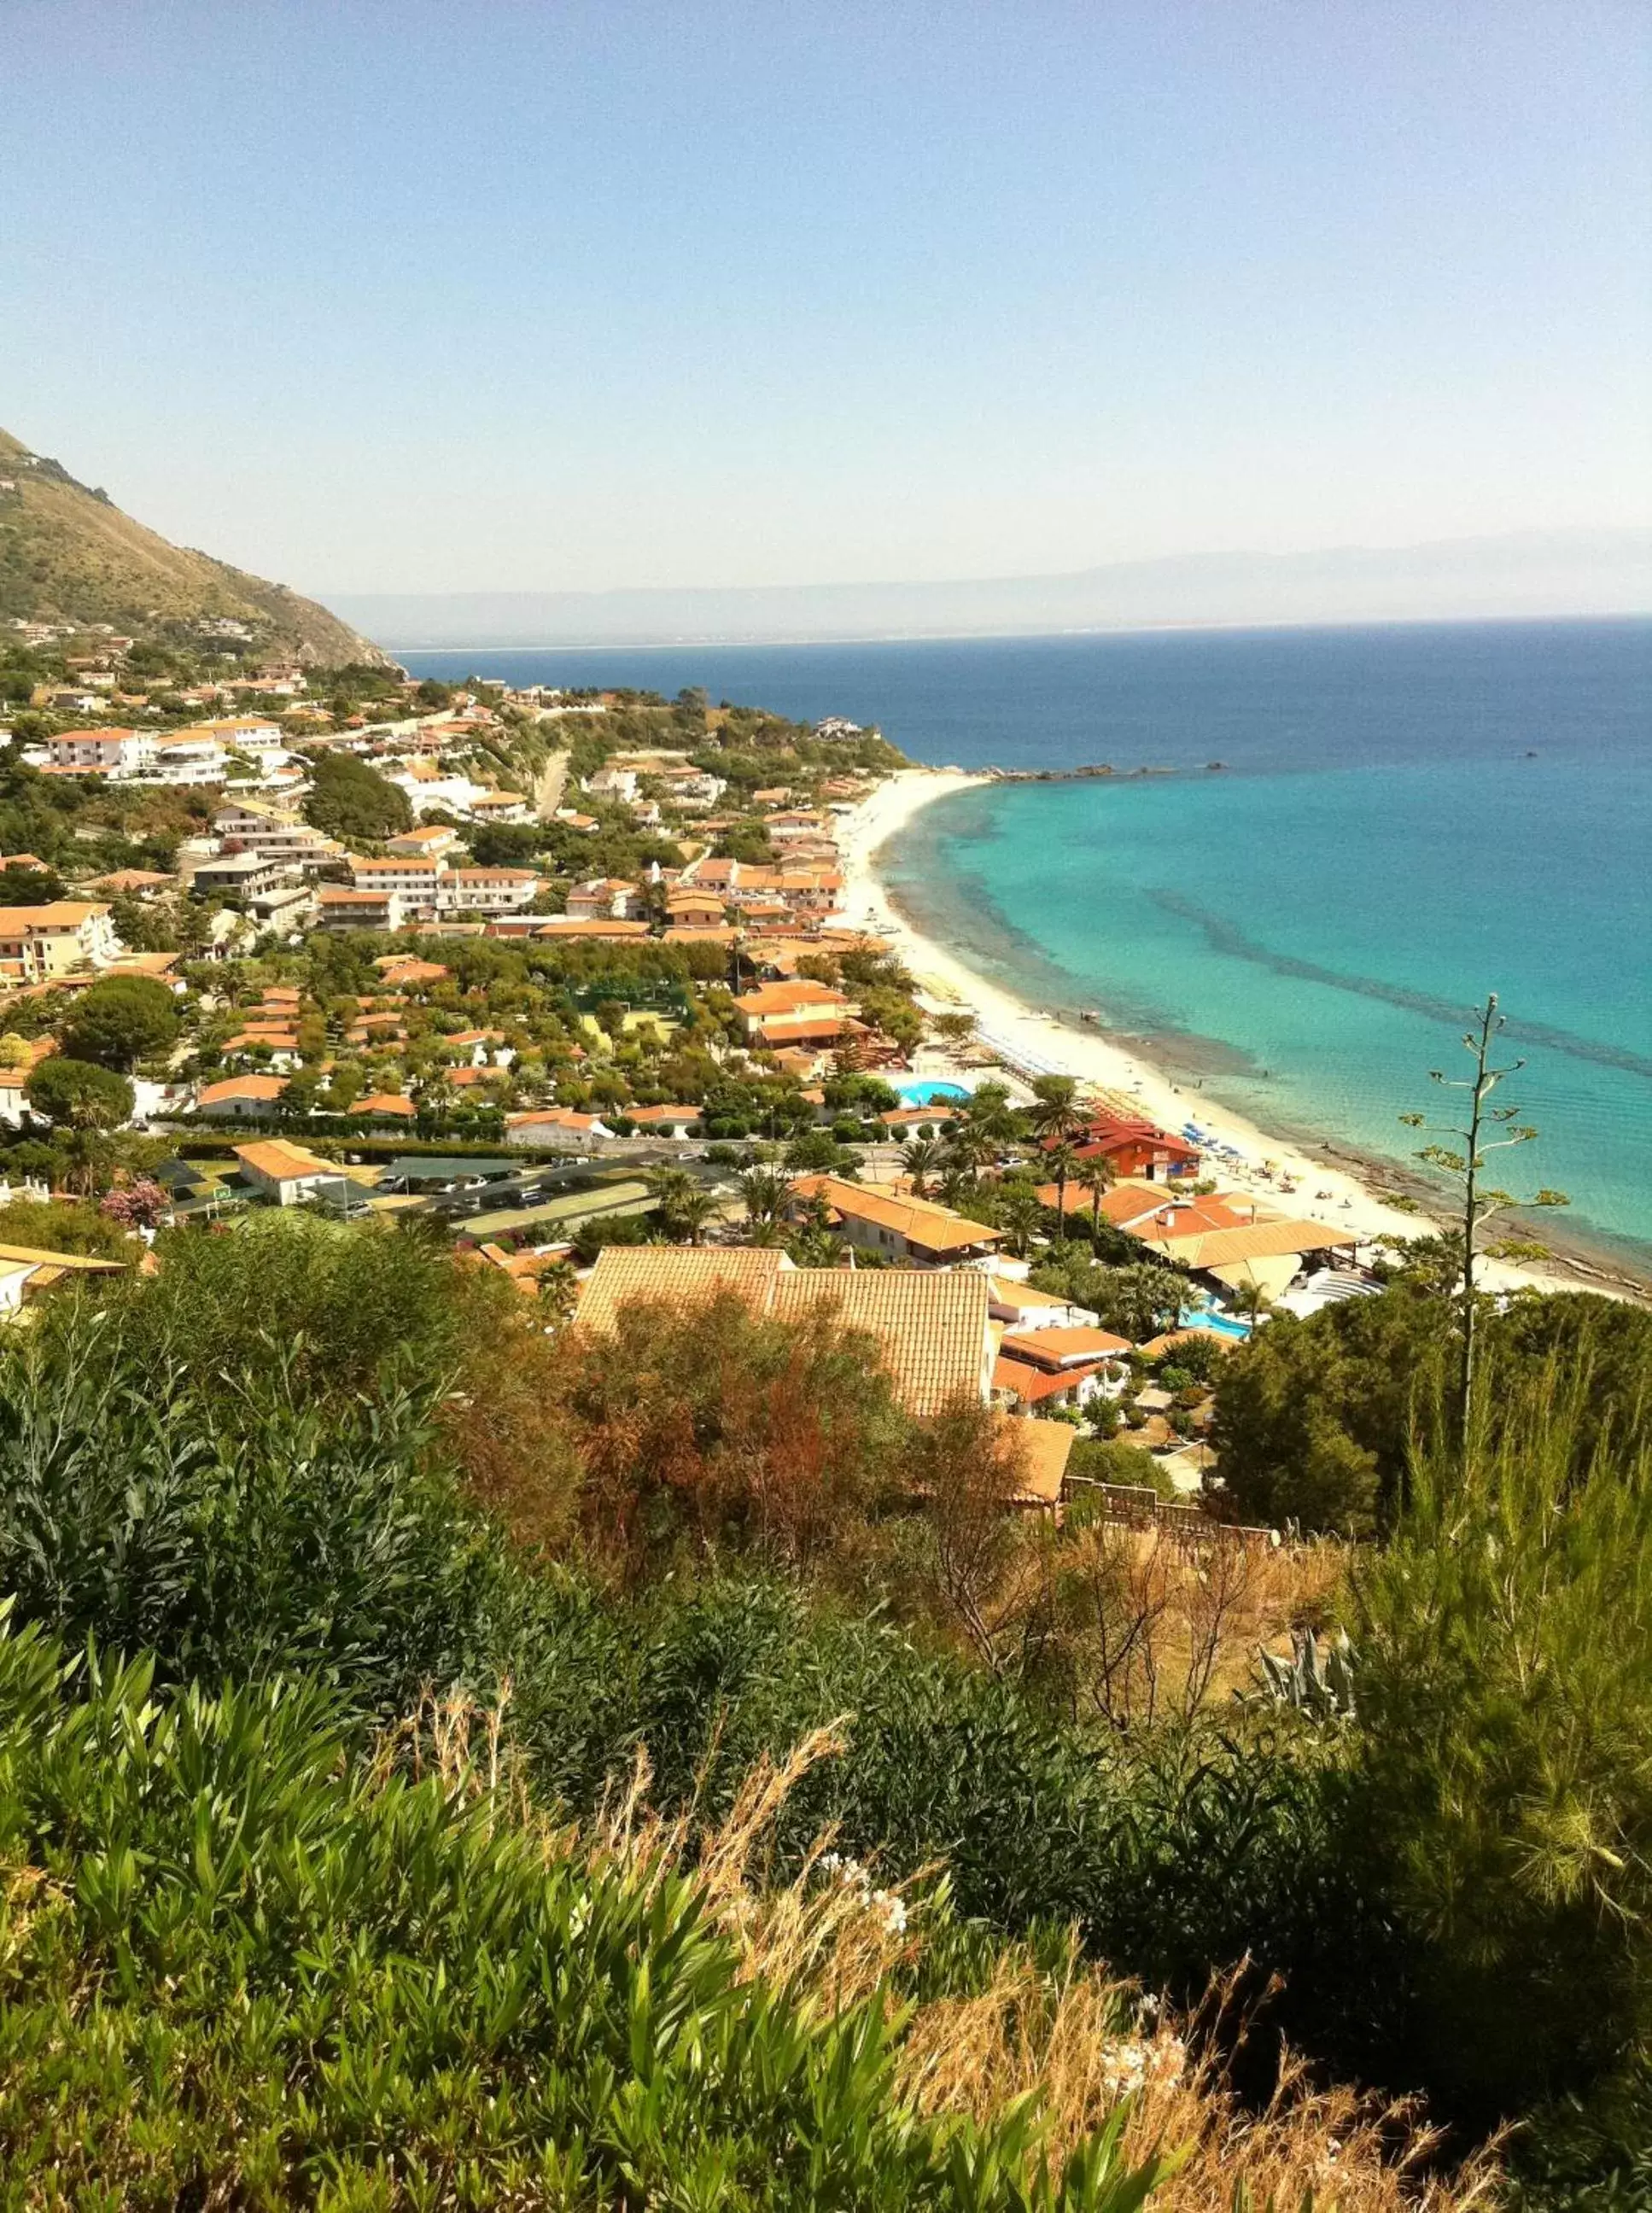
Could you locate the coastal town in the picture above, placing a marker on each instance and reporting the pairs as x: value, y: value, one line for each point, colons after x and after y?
x: 605, y: 988
x: 825, y: 1058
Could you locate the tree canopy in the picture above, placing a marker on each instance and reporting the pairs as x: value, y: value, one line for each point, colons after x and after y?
x: 123, y: 1020
x: 350, y: 800
x: 78, y: 1095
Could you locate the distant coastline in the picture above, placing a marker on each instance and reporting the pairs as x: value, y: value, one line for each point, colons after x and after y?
x: 737, y: 643
x: 1531, y: 576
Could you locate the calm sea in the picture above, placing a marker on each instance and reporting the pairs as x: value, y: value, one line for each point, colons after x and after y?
x: 1405, y: 817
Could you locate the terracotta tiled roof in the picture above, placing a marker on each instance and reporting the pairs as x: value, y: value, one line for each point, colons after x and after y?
x: 397, y: 970
x: 559, y: 1118
x: 283, y: 1162
x: 277, y: 1040
x: 1078, y: 1200
x: 1031, y: 1386
x: 804, y: 1028
x: 579, y: 925
x: 930, y: 1329
x: 683, y: 1275
x: 1052, y: 1347
x: 1156, y: 1347
x: 935, y: 1228
x: 1017, y: 1297
x: 242, y: 1087
x: 788, y: 999
x: 60, y: 914
x: 1256, y: 1241
x: 128, y: 880
x: 1045, y: 1448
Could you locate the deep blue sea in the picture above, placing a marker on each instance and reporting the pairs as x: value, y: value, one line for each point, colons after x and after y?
x: 1405, y: 817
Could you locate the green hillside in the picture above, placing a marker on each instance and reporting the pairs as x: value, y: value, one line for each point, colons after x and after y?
x: 68, y: 554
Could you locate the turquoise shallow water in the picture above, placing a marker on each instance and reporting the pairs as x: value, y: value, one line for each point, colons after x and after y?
x: 1307, y: 943
x: 1408, y: 817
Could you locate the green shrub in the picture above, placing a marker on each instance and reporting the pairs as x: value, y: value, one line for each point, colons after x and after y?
x: 289, y: 1533
x: 1316, y: 1421
x: 1505, y: 1693
x: 241, y: 1970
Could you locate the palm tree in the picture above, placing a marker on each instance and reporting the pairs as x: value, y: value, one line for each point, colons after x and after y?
x: 1056, y: 1116
x: 1144, y: 1299
x: 765, y: 1193
x: 1019, y: 1215
x: 922, y: 1159
x: 1250, y: 1300
x: 1095, y: 1175
x: 988, y: 1124
x: 958, y: 1188
x: 1063, y: 1161
x: 691, y: 1213
x: 682, y: 1207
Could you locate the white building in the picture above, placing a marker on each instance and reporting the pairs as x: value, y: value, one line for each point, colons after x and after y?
x: 431, y: 887
x: 112, y: 752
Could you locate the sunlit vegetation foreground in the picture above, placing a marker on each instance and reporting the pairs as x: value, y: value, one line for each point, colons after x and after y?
x: 444, y: 1764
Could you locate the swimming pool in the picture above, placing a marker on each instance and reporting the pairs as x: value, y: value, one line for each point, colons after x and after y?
x: 1221, y: 1325
x: 927, y: 1091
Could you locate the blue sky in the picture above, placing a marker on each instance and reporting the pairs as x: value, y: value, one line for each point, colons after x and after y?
x: 504, y: 295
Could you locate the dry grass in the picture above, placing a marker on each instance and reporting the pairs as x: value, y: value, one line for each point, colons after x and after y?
x: 1078, y: 2040
x: 1159, y: 1626
x: 1082, y: 2042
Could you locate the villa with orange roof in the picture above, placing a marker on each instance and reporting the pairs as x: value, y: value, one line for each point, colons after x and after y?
x: 1039, y: 1370
x: 244, y: 1096
x: 39, y: 943
x: 893, y: 1223
x: 288, y: 1174
x: 799, y: 1013
x: 930, y: 1329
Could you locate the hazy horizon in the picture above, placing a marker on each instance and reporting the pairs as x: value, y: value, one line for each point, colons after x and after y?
x: 1522, y: 574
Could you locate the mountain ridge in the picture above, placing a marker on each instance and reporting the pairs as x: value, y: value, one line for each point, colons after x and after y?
x: 68, y: 554
x: 1530, y: 573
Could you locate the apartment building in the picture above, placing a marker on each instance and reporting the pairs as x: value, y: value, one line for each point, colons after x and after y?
x: 39, y: 943
x: 248, y: 825
x: 429, y: 886
x: 113, y: 752
x: 338, y: 909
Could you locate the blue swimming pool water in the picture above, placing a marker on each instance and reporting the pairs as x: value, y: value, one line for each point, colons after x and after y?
x: 1220, y: 1324
x: 924, y: 1091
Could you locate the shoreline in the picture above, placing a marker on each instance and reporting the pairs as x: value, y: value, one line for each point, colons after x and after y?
x: 1359, y: 1188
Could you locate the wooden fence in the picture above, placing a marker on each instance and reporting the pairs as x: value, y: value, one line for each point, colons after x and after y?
x: 1134, y: 1507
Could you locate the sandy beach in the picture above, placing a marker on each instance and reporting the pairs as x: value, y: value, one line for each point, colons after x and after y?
x: 1032, y: 1041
